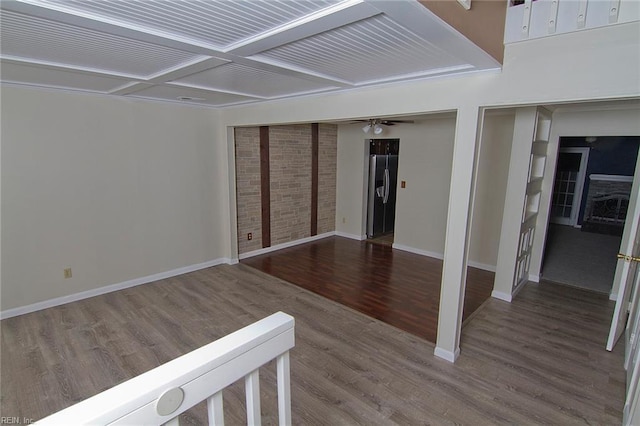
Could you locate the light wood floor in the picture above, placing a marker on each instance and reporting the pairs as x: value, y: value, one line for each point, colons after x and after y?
x: 538, y: 360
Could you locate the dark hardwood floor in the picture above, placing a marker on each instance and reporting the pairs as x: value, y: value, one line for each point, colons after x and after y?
x: 539, y: 360
x: 394, y: 286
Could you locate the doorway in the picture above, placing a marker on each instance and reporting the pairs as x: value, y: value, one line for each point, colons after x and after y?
x: 568, y: 185
x: 583, y: 238
x: 381, y: 190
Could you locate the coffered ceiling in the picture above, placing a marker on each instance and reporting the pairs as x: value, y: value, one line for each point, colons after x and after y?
x: 227, y: 52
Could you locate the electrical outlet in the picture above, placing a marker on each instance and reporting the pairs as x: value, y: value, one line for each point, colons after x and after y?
x: 67, y: 273
x: 249, y: 236
x: 403, y: 184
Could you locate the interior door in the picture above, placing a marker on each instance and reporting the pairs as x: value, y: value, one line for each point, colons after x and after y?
x: 625, y: 277
x: 632, y: 355
x: 568, y: 185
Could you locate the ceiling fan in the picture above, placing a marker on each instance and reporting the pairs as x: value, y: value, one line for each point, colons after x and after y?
x: 375, y: 124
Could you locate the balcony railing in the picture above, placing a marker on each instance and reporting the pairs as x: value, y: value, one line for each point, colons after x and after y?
x: 159, y: 396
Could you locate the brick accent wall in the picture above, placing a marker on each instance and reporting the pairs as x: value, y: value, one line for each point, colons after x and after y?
x: 327, y: 166
x: 248, y: 188
x: 290, y: 183
x: 290, y: 162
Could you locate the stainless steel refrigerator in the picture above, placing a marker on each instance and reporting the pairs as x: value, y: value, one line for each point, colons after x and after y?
x: 383, y: 177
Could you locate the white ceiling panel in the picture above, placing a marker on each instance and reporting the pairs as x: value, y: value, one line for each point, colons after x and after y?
x: 373, y: 49
x: 200, y: 97
x: 49, y: 41
x: 219, y: 23
x: 227, y: 52
x: 242, y: 79
x: 37, y: 76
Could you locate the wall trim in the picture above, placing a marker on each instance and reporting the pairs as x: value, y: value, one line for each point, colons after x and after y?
x: 351, y: 236
x: 8, y: 313
x: 447, y: 355
x: 502, y: 296
x: 436, y: 255
x: 286, y: 245
x: 534, y: 278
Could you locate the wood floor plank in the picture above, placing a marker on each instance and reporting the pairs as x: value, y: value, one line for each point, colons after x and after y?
x: 539, y: 360
x: 394, y: 286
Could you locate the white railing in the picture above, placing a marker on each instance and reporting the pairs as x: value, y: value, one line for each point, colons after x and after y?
x: 530, y: 19
x: 160, y: 395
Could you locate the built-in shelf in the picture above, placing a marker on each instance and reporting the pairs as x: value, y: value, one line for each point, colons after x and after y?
x: 543, y: 128
x: 532, y: 204
x: 537, y: 167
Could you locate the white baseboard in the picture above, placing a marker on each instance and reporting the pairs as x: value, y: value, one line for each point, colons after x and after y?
x: 350, y: 236
x: 286, y: 245
x: 446, y: 355
x: 613, y: 296
x: 109, y: 288
x: 483, y: 266
x: 440, y: 256
x: 501, y: 295
x: 534, y: 278
x: 418, y: 251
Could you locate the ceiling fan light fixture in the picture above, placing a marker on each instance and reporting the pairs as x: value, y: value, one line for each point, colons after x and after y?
x: 366, y: 128
x: 377, y: 129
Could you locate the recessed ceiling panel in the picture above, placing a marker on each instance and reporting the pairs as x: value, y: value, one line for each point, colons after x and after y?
x: 218, y: 23
x: 241, y: 79
x: 37, y: 76
x: 373, y: 49
x: 29, y: 37
x: 190, y: 95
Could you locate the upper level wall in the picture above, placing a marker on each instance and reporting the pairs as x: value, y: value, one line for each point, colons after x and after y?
x: 483, y: 24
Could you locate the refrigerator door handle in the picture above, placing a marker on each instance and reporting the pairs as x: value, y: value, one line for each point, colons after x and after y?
x: 386, y: 186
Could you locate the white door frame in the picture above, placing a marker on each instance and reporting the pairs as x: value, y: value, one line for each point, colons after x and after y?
x: 579, y: 188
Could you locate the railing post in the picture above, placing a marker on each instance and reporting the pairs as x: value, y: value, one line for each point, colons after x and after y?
x: 252, y: 389
x: 173, y: 422
x: 215, y: 410
x: 284, y: 390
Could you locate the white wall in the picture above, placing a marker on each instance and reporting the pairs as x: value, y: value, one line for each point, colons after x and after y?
x: 114, y: 189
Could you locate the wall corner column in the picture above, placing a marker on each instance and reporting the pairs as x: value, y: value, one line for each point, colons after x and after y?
x: 456, y: 250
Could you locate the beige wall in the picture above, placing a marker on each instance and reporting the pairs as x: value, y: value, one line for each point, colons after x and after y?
x: 113, y: 188
x: 290, y: 183
x: 491, y: 186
